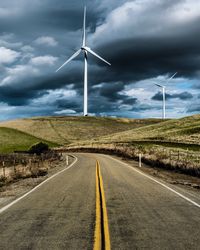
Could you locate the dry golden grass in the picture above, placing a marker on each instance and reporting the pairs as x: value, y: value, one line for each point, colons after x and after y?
x: 179, y: 160
x: 85, y: 130
x: 185, y: 130
x: 41, y: 129
x: 66, y: 130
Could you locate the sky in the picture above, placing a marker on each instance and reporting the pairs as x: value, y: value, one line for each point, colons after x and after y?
x: 146, y: 41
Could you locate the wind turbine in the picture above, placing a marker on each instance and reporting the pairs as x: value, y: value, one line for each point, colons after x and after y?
x: 163, y: 92
x: 85, y: 51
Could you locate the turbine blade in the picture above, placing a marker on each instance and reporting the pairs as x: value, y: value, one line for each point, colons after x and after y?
x: 95, y: 54
x: 84, y: 28
x: 159, y: 85
x: 70, y: 59
x: 172, y: 77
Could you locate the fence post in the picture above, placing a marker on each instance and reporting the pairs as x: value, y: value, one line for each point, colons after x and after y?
x: 30, y: 164
x: 67, y: 160
x: 140, y: 160
x: 4, y: 171
x: 187, y: 157
x: 14, y: 166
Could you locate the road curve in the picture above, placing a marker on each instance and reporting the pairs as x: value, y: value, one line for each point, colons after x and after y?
x: 142, y: 214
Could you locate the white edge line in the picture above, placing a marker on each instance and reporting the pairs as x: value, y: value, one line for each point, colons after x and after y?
x: 35, y: 188
x: 158, y: 182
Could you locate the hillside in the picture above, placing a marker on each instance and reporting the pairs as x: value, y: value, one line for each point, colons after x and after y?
x: 65, y: 130
x: 185, y: 130
x: 20, y: 134
x: 11, y: 140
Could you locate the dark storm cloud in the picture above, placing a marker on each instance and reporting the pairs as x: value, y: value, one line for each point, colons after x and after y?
x: 144, y: 46
x: 112, y: 93
x: 129, y: 100
x: 49, y: 22
x: 182, y: 96
x: 64, y: 103
x: 193, y: 108
x: 23, y: 90
x: 196, y: 85
x: 136, y: 59
x: 102, y: 105
x: 35, y: 17
x: 18, y: 97
x: 141, y: 107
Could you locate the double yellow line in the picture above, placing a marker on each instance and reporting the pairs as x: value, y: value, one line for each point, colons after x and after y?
x: 102, y: 236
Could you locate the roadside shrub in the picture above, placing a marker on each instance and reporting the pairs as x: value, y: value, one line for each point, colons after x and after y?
x: 2, y: 180
x: 20, y: 173
x: 42, y: 172
x: 38, y: 148
x: 36, y: 172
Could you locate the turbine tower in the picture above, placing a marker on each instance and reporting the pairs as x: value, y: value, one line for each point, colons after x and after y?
x: 85, y: 51
x: 164, y: 97
x: 164, y: 106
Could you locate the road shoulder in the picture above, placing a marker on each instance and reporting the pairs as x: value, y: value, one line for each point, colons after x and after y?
x: 13, y: 191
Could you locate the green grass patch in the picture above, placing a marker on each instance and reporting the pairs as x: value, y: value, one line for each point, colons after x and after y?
x: 13, y: 140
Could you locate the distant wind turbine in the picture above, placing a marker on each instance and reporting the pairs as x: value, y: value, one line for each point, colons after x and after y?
x: 163, y: 92
x: 85, y: 50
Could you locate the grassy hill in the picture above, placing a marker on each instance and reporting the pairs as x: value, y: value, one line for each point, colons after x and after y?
x: 65, y: 130
x: 185, y: 130
x: 12, y: 139
x: 20, y: 134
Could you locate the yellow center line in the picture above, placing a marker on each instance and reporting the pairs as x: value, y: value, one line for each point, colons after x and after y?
x: 97, y: 244
x: 102, y: 235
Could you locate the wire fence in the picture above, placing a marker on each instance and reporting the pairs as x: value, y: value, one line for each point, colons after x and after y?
x: 178, y: 156
x: 15, y: 166
x: 177, y: 159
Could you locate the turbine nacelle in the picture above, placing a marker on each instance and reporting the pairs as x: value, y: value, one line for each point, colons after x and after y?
x: 159, y: 85
x: 87, y: 49
x: 84, y: 48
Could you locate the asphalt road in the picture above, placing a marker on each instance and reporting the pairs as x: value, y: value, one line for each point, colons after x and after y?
x: 142, y: 214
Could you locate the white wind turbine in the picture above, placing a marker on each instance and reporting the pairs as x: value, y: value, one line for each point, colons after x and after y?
x: 85, y: 50
x: 163, y: 92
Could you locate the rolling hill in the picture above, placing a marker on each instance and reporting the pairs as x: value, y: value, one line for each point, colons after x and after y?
x: 12, y: 139
x: 20, y: 134
x: 184, y: 130
x: 65, y: 130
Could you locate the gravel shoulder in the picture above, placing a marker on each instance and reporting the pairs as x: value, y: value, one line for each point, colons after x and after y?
x: 10, y: 192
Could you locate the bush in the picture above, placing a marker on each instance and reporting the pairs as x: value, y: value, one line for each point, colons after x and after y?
x: 38, y: 172
x: 38, y: 148
x: 42, y: 172
x: 2, y: 181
